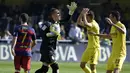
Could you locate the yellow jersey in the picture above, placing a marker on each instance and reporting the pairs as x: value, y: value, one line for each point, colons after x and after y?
x: 93, y: 41
x: 118, y: 41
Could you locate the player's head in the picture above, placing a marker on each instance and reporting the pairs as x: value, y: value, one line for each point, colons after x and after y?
x: 90, y: 16
x: 114, y: 16
x: 24, y: 17
x: 55, y: 14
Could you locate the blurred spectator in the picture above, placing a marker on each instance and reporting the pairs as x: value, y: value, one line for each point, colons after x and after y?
x: 75, y: 33
x: 13, y: 22
x: 35, y: 10
x: 16, y: 9
x: 4, y: 27
x: 83, y: 34
x: 62, y: 33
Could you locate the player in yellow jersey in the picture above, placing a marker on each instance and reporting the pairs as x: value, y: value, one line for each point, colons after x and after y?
x: 91, y: 53
x: 118, y: 36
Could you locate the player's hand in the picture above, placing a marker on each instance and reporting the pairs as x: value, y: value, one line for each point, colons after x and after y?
x: 48, y: 35
x: 72, y: 8
x: 12, y: 51
x: 109, y: 21
x: 85, y: 11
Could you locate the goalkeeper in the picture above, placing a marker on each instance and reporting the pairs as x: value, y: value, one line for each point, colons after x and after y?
x: 50, y: 32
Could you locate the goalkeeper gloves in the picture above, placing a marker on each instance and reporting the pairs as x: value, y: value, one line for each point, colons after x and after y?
x: 72, y: 8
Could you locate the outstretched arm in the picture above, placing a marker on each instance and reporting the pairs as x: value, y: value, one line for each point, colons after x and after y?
x: 80, y: 20
x: 120, y: 29
x: 108, y: 36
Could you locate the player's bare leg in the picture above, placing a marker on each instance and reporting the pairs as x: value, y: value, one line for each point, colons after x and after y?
x: 84, y: 67
x: 116, y: 70
x: 93, y: 68
x: 109, y: 71
x: 25, y: 71
x: 17, y: 71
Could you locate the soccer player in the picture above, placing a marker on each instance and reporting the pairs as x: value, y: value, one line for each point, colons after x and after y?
x: 24, y: 38
x: 50, y: 31
x: 91, y: 53
x: 118, y: 36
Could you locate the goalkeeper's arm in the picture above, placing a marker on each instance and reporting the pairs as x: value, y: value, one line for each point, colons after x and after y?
x: 53, y: 31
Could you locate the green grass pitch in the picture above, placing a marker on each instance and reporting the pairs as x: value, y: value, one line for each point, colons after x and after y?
x: 65, y: 67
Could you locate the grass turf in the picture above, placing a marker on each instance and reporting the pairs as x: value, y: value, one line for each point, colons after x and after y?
x: 65, y: 67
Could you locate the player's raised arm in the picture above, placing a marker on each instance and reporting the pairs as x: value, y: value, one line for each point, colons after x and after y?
x: 72, y: 8
x: 120, y: 29
x: 80, y: 20
x: 83, y: 20
x: 85, y: 13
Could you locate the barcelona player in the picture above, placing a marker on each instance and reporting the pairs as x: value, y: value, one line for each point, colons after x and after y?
x: 24, y: 38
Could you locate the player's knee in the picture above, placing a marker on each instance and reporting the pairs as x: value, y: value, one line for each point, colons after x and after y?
x: 116, y: 70
x: 109, y: 71
x: 43, y: 69
x: 82, y: 65
x: 92, y: 66
x: 55, y: 66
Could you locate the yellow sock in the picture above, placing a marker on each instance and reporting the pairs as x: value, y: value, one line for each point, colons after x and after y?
x: 94, y: 71
x: 87, y: 69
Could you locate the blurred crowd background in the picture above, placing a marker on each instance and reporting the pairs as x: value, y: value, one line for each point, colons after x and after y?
x: 36, y: 9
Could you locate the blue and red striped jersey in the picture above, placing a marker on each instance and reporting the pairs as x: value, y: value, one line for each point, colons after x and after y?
x: 25, y: 35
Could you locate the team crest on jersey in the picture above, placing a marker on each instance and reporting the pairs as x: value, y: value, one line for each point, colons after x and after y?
x: 44, y: 27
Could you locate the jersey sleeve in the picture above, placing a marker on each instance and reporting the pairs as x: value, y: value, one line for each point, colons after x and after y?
x: 33, y: 35
x: 44, y: 25
x: 123, y: 27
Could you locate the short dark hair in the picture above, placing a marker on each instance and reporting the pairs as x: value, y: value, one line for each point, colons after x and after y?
x: 49, y: 13
x: 115, y: 14
x: 91, y: 14
x: 52, y: 10
x: 24, y: 17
